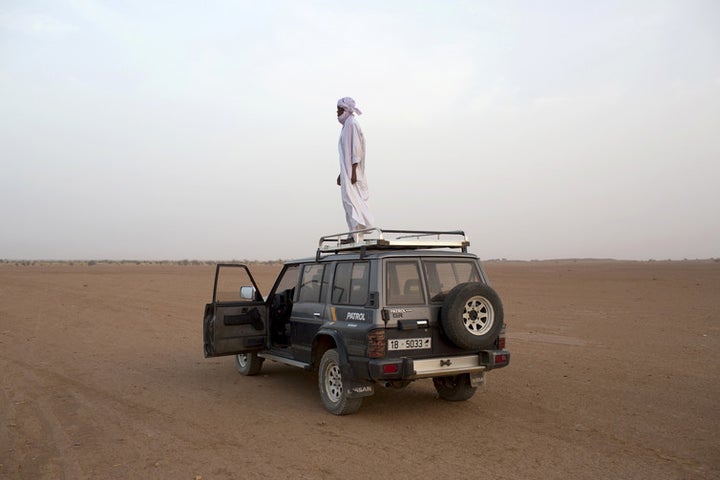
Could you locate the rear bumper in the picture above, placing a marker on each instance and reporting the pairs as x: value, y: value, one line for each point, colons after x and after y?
x: 406, y: 368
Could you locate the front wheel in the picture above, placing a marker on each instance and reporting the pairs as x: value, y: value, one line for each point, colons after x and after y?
x: 248, y: 363
x: 454, y: 389
x: 332, y: 387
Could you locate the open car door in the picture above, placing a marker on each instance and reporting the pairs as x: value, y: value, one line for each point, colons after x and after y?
x: 236, y: 320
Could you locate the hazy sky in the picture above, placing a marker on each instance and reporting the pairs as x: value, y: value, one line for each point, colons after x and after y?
x: 207, y: 130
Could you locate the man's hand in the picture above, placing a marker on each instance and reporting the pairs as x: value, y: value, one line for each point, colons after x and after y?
x: 353, y: 178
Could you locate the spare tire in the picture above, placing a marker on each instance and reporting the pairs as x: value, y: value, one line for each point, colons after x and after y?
x: 472, y: 316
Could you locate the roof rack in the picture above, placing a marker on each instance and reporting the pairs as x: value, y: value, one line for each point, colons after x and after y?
x: 378, y: 239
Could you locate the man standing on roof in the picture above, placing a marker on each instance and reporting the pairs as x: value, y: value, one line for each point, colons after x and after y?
x: 353, y: 185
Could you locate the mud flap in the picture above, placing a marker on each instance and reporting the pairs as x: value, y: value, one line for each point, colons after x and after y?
x: 357, y: 389
x: 477, y: 379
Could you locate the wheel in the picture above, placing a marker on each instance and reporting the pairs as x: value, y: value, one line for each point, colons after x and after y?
x: 248, y: 363
x: 472, y: 316
x: 454, y: 389
x: 332, y: 386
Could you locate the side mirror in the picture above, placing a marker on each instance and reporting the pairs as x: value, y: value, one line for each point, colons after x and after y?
x: 247, y: 293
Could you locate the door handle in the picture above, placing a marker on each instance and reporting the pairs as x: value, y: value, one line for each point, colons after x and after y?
x: 316, y: 314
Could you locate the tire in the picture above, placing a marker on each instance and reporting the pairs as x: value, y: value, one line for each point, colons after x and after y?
x: 454, y: 389
x: 248, y: 364
x: 472, y: 316
x: 333, y: 389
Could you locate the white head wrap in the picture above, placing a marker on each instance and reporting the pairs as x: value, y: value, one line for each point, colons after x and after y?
x: 348, y: 104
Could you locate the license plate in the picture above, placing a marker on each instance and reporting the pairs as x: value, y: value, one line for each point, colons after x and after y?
x: 409, y: 343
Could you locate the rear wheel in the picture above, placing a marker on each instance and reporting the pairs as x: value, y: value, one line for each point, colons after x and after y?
x: 454, y: 389
x: 332, y: 387
x: 248, y: 363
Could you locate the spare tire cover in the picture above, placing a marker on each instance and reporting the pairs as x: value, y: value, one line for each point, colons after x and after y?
x: 472, y: 316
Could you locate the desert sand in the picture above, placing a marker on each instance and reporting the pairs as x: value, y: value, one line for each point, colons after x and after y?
x: 614, y: 374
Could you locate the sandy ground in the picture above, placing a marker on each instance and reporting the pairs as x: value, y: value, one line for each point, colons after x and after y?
x: 614, y: 374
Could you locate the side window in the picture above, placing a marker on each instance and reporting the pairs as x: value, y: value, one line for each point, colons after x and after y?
x: 311, y: 283
x: 341, y: 285
x: 325, y: 284
x: 402, y: 283
x: 284, y: 294
x: 444, y: 275
x: 351, y: 283
x: 231, y: 279
x: 359, y: 284
x: 288, y: 279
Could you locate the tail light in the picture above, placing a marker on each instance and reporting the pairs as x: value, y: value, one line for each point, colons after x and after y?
x: 502, y: 359
x: 390, y: 368
x: 376, y: 343
x: 501, y: 339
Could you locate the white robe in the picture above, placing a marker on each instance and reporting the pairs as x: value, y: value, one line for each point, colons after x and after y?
x: 351, y: 147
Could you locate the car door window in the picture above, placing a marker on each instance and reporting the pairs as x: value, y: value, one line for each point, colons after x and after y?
x: 311, y: 283
x: 288, y: 279
x: 230, y: 282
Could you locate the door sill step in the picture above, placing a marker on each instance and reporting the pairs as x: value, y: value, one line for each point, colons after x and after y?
x: 286, y: 361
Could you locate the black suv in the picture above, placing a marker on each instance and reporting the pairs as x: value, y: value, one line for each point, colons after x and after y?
x: 391, y: 307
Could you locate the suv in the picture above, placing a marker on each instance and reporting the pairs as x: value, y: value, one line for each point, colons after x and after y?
x: 389, y: 308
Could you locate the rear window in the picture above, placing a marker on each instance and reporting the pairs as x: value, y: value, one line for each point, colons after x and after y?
x: 402, y: 283
x: 443, y: 275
